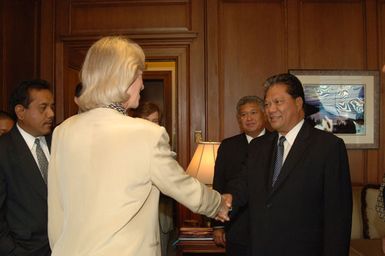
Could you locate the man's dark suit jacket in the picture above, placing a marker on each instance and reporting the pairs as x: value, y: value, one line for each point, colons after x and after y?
x: 23, y: 199
x: 308, y: 212
x: 231, y: 155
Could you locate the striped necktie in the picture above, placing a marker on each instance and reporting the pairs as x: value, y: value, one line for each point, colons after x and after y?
x: 42, y: 160
x: 278, y: 159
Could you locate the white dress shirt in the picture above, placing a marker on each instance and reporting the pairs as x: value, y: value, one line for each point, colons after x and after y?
x: 249, y: 138
x: 30, y: 140
x: 290, y: 138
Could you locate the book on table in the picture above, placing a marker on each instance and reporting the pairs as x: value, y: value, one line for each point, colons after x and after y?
x: 195, y: 233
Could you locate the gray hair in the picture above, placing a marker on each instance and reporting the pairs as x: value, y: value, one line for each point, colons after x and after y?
x: 250, y: 99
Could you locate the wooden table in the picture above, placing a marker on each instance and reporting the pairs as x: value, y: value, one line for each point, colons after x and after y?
x: 186, y: 247
x: 366, y: 247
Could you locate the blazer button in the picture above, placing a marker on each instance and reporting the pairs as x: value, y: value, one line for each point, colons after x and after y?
x: 268, y: 205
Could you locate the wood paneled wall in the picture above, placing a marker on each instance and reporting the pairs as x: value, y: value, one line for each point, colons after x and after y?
x: 19, y: 45
x: 224, y: 49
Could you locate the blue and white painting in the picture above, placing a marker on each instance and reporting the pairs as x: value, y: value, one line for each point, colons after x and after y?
x: 338, y: 108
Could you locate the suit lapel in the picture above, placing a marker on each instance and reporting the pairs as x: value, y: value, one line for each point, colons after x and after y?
x: 294, y: 157
x: 264, y: 160
x: 269, y: 154
x: 27, y: 166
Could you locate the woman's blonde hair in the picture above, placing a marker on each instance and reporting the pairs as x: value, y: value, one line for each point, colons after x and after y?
x: 111, y: 65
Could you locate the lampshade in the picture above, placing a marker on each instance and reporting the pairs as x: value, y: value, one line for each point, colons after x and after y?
x: 203, y: 161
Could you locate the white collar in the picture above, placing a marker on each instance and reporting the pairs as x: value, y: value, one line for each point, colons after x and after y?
x: 28, y: 138
x: 292, y: 134
x: 249, y: 138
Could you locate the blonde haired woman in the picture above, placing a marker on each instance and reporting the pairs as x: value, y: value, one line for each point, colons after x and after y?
x: 106, y: 169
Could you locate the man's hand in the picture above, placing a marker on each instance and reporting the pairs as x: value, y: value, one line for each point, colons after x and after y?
x: 224, y: 208
x: 219, y: 237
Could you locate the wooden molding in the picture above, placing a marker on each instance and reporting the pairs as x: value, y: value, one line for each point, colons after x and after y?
x: 144, y: 37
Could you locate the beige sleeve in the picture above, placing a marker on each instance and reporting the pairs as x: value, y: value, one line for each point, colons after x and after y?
x: 172, y: 180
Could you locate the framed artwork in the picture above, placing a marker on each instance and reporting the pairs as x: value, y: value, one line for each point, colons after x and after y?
x: 344, y: 102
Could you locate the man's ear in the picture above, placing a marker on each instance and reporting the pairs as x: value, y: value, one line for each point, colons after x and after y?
x: 19, y: 110
x: 299, y: 102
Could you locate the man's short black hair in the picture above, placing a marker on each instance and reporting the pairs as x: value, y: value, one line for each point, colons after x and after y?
x: 21, y: 95
x: 293, y: 84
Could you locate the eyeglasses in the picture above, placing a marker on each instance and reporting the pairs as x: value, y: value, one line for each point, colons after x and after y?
x: 244, y: 115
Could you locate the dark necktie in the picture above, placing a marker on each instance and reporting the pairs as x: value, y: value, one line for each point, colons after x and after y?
x: 42, y: 160
x: 278, y: 159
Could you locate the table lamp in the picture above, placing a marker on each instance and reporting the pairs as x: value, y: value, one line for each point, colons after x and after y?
x: 203, y: 162
x: 202, y: 167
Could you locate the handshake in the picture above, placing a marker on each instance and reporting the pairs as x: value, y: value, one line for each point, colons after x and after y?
x: 224, y: 208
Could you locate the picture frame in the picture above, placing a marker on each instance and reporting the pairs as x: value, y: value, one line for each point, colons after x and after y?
x: 345, y: 102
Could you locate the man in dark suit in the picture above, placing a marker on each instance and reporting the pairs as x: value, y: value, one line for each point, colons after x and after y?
x: 24, y: 154
x: 231, y: 154
x: 298, y: 190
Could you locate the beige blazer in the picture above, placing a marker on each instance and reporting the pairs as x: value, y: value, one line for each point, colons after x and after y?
x: 105, y: 173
